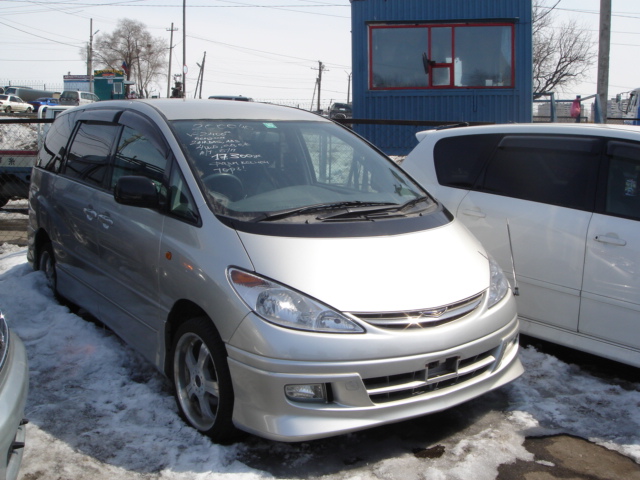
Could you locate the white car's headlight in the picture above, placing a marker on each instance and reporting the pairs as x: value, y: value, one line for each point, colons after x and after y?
x: 288, y: 308
x: 499, y: 285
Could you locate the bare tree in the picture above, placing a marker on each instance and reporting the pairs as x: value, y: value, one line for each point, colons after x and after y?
x: 562, y: 53
x: 132, y: 45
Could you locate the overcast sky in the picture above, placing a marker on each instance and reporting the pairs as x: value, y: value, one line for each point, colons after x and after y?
x: 265, y: 49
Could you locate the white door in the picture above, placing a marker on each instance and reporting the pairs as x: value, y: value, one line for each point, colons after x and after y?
x: 548, y: 252
x: 611, y: 292
x: 544, y: 186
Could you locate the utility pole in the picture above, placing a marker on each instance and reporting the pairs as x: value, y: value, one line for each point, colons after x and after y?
x: 200, y: 77
x: 349, y: 87
x: 319, y: 82
x: 314, y: 94
x: 90, y: 54
x: 184, y: 48
x: 170, y: 51
x: 603, y: 56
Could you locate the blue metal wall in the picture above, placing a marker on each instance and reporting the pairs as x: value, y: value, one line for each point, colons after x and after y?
x: 506, y: 105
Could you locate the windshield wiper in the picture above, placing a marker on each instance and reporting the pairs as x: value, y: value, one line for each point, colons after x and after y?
x: 382, y: 210
x: 414, y: 202
x: 352, y: 206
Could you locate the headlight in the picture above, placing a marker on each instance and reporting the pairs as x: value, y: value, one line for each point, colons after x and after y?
x: 288, y: 308
x: 4, y: 340
x: 499, y: 284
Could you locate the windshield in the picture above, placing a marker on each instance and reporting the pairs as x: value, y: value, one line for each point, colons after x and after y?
x: 293, y: 171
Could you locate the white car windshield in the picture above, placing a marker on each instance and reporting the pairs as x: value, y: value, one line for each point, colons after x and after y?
x: 288, y: 171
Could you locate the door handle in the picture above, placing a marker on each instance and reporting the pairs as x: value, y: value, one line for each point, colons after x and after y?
x: 474, y: 213
x: 611, y: 240
x: 90, y: 213
x: 105, y: 220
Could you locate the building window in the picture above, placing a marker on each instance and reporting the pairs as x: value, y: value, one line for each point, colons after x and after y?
x: 441, y: 56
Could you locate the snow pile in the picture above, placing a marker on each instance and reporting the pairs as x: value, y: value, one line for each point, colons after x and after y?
x: 19, y: 136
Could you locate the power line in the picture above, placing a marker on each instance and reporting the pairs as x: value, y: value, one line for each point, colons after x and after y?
x: 39, y: 36
x: 251, y: 50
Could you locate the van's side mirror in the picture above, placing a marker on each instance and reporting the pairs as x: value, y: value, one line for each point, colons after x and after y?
x: 136, y: 191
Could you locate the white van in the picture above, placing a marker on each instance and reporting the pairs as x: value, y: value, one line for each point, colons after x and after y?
x: 290, y: 279
x: 77, y: 97
x: 558, y: 206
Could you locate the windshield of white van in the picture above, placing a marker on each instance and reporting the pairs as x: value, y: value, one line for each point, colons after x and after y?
x: 295, y: 172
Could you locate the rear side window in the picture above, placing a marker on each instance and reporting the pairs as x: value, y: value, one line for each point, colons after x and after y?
x: 88, y: 157
x: 53, y: 149
x: 623, y: 180
x: 459, y: 160
x: 557, y: 170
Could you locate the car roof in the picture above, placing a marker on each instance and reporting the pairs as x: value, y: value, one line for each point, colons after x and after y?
x: 185, y: 109
x: 598, y: 129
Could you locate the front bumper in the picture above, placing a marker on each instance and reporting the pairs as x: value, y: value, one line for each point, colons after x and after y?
x: 358, y: 396
x: 14, y: 382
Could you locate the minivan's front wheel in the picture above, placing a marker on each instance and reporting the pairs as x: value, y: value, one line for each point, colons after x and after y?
x: 204, y: 392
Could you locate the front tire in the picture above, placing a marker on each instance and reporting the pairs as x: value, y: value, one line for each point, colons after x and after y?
x: 203, y: 388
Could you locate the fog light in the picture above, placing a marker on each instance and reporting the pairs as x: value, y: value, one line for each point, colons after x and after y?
x: 315, y: 392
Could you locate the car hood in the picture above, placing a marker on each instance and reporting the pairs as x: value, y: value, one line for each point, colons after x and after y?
x: 411, y: 271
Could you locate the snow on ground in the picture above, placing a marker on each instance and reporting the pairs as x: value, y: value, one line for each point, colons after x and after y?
x: 19, y: 136
x: 97, y: 411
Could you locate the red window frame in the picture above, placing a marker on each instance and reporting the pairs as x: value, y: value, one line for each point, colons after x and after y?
x: 450, y: 66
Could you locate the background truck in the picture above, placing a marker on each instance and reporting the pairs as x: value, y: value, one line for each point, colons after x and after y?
x: 30, y: 94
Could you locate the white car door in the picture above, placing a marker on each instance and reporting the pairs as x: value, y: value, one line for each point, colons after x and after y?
x: 543, y: 187
x: 548, y: 252
x: 611, y: 291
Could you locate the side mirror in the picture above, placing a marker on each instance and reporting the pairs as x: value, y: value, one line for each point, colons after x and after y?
x: 136, y: 191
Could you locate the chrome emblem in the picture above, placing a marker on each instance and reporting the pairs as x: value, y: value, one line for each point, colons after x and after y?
x: 433, y: 313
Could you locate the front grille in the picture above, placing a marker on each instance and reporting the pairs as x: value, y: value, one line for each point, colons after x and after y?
x: 428, y: 317
x: 436, y: 375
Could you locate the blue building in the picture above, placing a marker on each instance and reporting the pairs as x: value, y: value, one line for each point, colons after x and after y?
x: 439, y: 61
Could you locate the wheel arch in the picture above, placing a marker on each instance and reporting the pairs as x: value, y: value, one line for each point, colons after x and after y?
x: 182, y: 311
x: 41, y: 238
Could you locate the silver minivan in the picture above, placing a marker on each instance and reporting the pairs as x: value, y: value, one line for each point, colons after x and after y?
x: 288, y: 278
x: 77, y: 97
